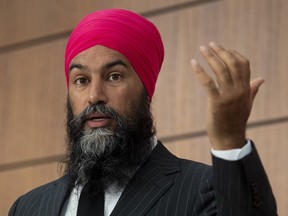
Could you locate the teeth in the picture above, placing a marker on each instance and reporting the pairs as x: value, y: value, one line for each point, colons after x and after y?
x: 98, y: 119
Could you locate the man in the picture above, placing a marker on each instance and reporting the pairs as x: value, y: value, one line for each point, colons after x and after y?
x: 114, y: 163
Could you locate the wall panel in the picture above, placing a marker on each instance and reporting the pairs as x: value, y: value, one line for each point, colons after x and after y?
x: 33, y: 93
x: 30, y: 19
x: 179, y: 102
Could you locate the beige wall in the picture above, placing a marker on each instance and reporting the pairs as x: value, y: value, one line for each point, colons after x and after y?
x: 32, y: 85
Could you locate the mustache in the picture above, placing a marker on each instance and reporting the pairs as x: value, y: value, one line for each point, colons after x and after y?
x: 100, y: 109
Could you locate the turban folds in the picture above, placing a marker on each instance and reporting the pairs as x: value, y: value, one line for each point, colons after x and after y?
x: 126, y: 32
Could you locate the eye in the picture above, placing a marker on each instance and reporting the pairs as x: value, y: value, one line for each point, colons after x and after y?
x: 114, y: 77
x: 81, y: 81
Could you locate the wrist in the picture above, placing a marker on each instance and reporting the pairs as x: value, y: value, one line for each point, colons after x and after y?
x: 228, y: 143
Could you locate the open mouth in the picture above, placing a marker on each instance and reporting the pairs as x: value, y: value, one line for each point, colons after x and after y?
x: 98, y: 120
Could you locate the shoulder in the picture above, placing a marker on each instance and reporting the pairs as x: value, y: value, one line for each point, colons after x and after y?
x: 164, y: 154
x: 195, y: 173
x: 46, y: 187
x: 34, y: 196
x: 183, y: 168
x: 194, y: 166
x: 192, y: 185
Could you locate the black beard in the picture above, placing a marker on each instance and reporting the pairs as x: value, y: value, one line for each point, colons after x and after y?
x: 111, y: 156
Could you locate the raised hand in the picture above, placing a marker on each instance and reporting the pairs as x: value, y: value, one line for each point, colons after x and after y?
x: 230, y: 95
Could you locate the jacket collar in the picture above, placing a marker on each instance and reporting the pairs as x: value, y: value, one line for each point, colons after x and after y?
x: 149, y: 183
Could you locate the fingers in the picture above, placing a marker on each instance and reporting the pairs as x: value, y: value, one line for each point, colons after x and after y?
x: 217, y: 65
x: 230, y: 96
x: 245, y: 65
x: 228, y: 65
x: 205, y: 80
x: 232, y: 72
x: 254, y: 86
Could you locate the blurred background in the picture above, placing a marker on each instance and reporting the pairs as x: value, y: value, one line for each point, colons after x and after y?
x: 33, y: 90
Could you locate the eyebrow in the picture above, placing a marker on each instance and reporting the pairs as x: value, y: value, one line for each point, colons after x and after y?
x: 115, y: 63
x: 72, y: 66
x: 106, y: 66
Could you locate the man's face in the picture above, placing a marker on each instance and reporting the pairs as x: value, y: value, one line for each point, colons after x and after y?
x: 109, y: 123
x: 100, y: 75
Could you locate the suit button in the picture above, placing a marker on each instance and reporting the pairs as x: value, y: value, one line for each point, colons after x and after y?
x: 257, y: 203
x: 256, y: 195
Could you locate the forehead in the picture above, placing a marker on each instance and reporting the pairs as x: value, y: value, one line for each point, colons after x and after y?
x: 98, y: 55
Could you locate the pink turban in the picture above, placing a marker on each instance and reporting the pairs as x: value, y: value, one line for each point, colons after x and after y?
x: 126, y: 32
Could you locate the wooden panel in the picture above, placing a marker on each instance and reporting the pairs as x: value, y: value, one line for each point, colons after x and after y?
x: 271, y: 143
x: 32, y: 86
x: 32, y: 83
x: 32, y: 95
x: 179, y: 103
x: 24, y: 20
x: 17, y: 182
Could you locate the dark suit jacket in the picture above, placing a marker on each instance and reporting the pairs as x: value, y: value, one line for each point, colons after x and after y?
x: 167, y: 185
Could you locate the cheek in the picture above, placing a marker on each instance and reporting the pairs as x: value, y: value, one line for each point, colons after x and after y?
x: 131, y: 102
x: 120, y: 100
x: 77, y: 104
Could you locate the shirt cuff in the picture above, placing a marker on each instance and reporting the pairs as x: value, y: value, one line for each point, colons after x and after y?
x: 233, y: 154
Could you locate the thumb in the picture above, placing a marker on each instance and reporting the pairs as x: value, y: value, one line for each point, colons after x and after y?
x: 254, y: 86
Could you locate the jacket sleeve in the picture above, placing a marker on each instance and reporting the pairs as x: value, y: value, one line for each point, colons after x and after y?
x: 242, y: 187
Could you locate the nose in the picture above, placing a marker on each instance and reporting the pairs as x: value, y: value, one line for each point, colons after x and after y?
x: 97, y: 92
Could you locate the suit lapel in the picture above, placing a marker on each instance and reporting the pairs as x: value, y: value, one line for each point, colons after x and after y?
x: 54, y: 198
x: 149, y: 183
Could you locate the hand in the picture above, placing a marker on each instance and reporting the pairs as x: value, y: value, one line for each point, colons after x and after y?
x: 230, y: 95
